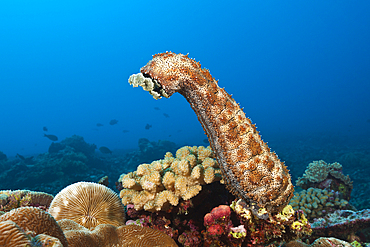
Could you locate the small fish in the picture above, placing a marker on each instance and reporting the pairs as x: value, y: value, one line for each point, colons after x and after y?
x: 27, y: 160
x: 166, y: 115
x: 105, y: 150
x: 148, y: 126
x: 51, y: 137
x: 156, y: 108
x: 99, y: 125
x: 205, y: 141
x: 104, y: 181
x: 113, y: 121
x: 125, y: 131
x: 20, y: 156
x: 45, y: 128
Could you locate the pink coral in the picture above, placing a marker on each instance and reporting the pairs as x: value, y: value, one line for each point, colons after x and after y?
x: 215, y: 230
x: 217, y: 214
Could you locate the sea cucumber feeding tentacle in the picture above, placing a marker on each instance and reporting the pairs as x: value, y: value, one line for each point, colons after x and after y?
x: 250, y: 170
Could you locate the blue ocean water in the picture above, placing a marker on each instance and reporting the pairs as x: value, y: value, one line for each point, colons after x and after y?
x: 300, y: 69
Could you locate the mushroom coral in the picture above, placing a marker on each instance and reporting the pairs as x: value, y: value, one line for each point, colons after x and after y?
x: 88, y: 204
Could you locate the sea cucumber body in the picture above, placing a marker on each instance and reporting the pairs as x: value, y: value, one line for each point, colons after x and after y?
x: 250, y: 170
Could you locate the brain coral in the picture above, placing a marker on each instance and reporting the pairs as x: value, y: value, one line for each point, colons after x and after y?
x: 250, y: 170
x: 88, y: 204
x: 106, y: 235
x: 12, y: 235
x: 155, y: 186
x: 35, y: 221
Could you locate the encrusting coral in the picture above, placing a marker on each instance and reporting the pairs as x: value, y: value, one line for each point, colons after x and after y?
x: 156, y: 186
x: 11, y: 199
x: 250, y: 170
x: 88, y: 204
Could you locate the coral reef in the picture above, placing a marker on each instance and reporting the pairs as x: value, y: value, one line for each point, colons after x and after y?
x: 322, y: 175
x: 89, y: 204
x: 34, y: 221
x: 162, y: 183
x: 220, y: 230
x: 320, y: 242
x: 12, y: 235
x: 250, y: 170
x: 341, y: 224
x: 3, y: 156
x: 33, y: 226
x: 316, y: 202
x: 105, y: 235
x: 150, y: 150
x: 284, y: 226
x: 11, y: 199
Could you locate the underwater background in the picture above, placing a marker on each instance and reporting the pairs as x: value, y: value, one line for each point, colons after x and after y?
x: 301, y: 70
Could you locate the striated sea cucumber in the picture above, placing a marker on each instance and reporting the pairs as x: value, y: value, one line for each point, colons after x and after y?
x: 250, y: 170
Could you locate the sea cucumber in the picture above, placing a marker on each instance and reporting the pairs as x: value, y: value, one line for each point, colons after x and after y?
x: 249, y: 169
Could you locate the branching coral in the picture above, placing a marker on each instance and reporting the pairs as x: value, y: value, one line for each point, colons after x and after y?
x: 89, y: 204
x: 162, y: 183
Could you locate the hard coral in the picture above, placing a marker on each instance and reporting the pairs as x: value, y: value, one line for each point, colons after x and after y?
x: 341, y: 224
x: 316, y: 202
x: 35, y: 221
x: 89, y: 204
x: 284, y: 226
x: 156, y: 186
x: 322, y: 175
x: 12, y: 235
x: 106, y: 235
x: 11, y: 199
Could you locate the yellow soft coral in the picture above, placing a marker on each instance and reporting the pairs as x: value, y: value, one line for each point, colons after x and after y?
x: 155, y: 186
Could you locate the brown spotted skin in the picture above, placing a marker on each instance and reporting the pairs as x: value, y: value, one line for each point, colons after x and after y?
x: 250, y: 170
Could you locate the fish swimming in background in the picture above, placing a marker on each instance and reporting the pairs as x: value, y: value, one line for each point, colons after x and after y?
x: 156, y: 108
x: 27, y: 160
x: 125, y: 131
x: 99, y: 125
x: 166, y: 115
x: 45, y: 128
x: 105, y: 150
x: 148, y: 126
x: 113, y: 122
x: 51, y: 137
